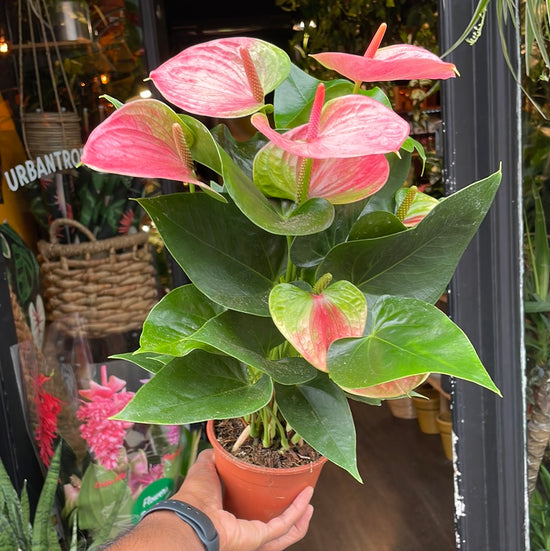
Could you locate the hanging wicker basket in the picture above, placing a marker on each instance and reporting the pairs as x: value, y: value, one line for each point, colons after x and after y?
x: 45, y: 132
x: 111, y: 283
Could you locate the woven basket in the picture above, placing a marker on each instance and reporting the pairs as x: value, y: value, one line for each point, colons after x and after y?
x: 46, y: 132
x: 110, y: 283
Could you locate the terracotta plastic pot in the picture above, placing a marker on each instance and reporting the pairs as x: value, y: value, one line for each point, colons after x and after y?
x: 427, y: 410
x: 259, y: 493
x: 402, y: 408
x: 445, y: 430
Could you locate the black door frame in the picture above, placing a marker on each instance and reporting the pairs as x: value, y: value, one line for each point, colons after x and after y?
x: 482, y: 130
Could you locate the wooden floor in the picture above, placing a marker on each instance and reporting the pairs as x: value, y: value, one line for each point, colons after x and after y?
x: 406, y: 501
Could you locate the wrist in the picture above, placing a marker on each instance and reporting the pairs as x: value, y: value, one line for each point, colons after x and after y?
x: 194, y: 518
x: 159, y: 530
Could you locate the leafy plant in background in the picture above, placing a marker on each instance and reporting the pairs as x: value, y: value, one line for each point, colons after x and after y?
x: 539, y: 513
x: 537, y: 339
x: 532, y: 17
x: 310, y: 284
x: 341, y: 26
x: 16, y: 529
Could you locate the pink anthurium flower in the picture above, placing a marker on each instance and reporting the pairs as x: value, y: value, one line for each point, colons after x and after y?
x: 347, y: 126
x: 223, y: 78
x: 393, y: 389
x: 398, y: 62
x: 413, y: 205
x: 311, y: 321
x: 277, y: 173
x: 143, y: 138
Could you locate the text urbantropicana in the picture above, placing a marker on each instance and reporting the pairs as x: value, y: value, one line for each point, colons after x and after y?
x: 45, y: 165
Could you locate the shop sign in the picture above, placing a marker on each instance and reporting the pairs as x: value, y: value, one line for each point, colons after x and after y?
x: 29, y: 171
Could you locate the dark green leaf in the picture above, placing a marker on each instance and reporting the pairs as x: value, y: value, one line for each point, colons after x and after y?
x: 319, y: 412
x: 196, y: 388
x: 251, y: 340
x: 229, y: 259
x: 407, y: 337
x: 173, y: 320
x: 418, y: 262
x: 308, y: 251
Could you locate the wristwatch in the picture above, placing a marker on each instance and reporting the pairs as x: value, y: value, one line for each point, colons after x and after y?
x: 202, y: 525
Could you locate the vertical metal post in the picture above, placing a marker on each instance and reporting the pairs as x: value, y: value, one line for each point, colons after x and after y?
x: 482, y: 130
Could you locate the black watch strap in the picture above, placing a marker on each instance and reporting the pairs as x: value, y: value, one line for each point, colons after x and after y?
x: 202, y: 525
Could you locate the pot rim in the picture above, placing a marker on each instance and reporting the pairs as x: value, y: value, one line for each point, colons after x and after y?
x: 285, y: 471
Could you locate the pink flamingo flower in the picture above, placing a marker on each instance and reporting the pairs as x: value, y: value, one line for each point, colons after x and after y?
x: 338, y: 155
x: 225, y: 78
x: 142, y: 138
x: 312, y: 321
x: 397, y: 62
x: 347, y: 126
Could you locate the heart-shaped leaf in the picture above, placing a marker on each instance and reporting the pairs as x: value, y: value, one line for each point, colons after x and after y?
x: 174, y: 319
x: 196, y: 388
x: 217, y: 247
x: 407, y: 337
x: 418, y: 262
x: 253, y: 341
x: 319, y: 412
x: 312, y: 321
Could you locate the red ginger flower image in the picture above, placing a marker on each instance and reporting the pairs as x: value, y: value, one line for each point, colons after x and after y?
x: 48, y: 407
x: 105, y: 436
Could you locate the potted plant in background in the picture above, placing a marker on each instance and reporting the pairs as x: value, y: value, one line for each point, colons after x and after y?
x: 313, y: 271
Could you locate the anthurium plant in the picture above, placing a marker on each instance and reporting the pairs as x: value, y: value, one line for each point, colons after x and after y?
x: 313, y: 270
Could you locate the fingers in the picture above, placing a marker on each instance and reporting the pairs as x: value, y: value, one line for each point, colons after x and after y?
x: 294, y: 534
x: 294, y: 521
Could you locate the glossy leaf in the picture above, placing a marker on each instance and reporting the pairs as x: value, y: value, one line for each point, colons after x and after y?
x: 252, y: 340
x: 309, y: 251
x: 376, y: 224
x: 350, y: 126
x: 311, y: 321
x: 210, y: 79
x: 171, y: 323
x: 320, y: 414
x: 407, y: 337
x: 418, y: 262
x: 196, y: 388
x: 217, y: 248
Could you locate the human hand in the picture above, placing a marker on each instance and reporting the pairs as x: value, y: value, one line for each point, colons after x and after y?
x: 202, y: 489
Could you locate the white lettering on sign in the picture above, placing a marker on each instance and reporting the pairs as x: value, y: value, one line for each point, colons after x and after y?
x: 23, y: 174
